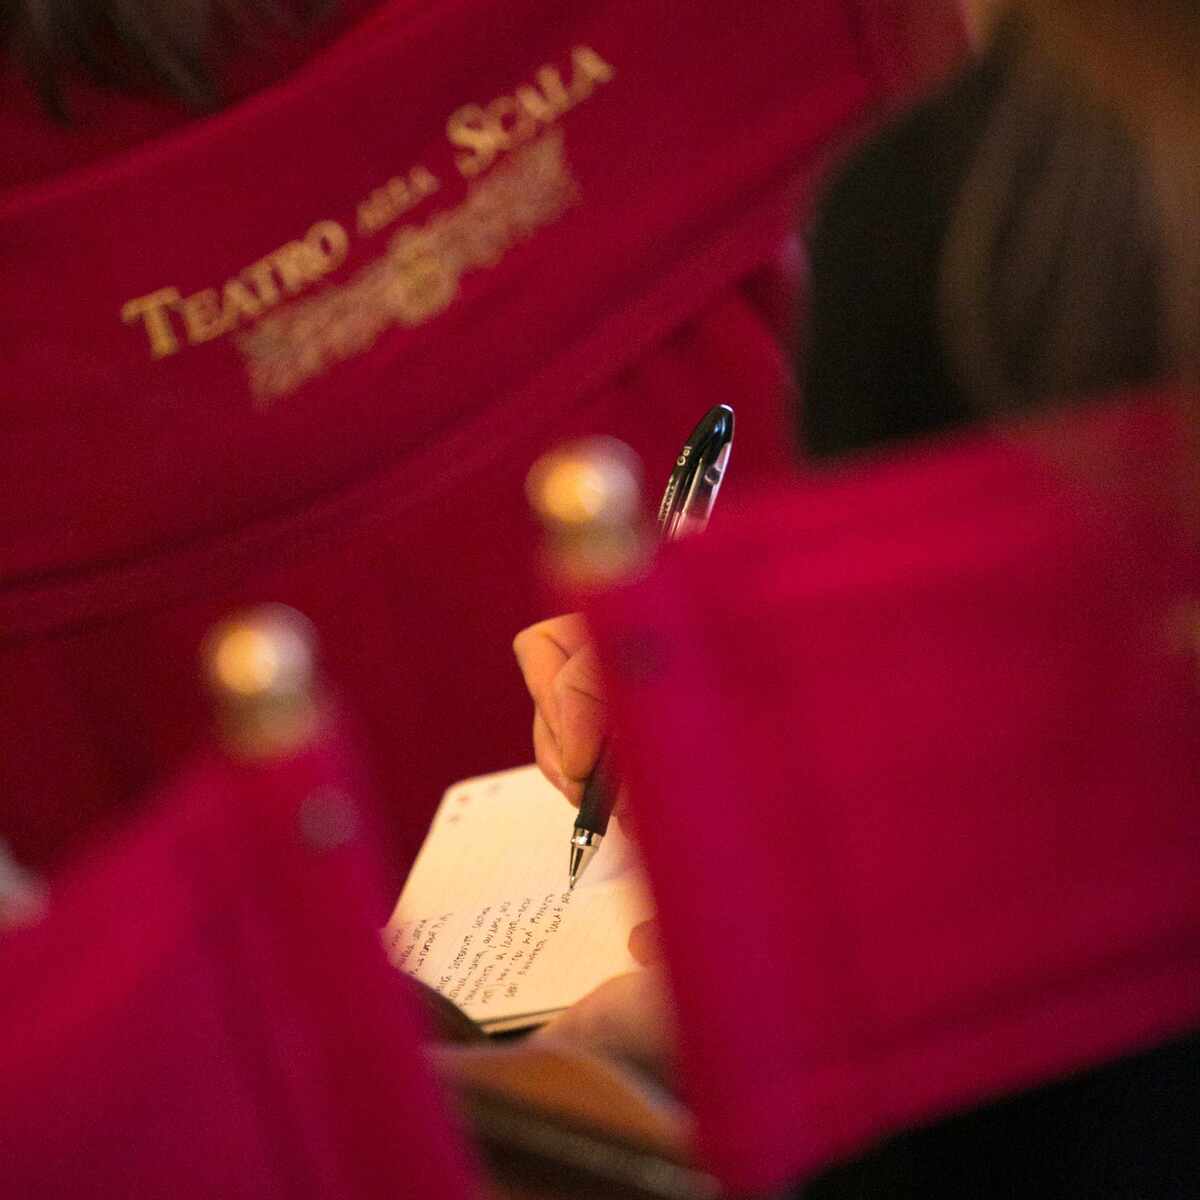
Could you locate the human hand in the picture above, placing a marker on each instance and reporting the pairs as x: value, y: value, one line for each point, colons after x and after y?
x: 645, y: 944
x: 567, y: 1082
x: 629, y: 1017
x: 558, y: 660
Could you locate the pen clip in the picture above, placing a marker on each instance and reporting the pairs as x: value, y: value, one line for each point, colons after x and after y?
x: 697, y: 476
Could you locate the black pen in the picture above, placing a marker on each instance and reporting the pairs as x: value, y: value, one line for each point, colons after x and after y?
x: 686, y: 506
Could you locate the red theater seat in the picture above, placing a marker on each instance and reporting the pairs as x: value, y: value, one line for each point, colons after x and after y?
x: 305, y: 350
x: 914, y: 754
x: 206, y: 1010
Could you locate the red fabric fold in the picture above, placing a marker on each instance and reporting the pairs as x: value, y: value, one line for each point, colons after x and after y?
x: 361, y: 348
x: 927, y: 732
x: 207, y: 1009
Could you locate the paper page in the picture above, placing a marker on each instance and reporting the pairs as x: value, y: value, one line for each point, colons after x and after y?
x: 485, y: 916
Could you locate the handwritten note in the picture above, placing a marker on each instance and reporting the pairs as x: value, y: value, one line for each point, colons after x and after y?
x: 486, y: 918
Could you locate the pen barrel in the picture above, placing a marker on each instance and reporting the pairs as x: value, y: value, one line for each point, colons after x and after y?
x: 697, y: 476
x: 599, y: 796
x: 588, y: 497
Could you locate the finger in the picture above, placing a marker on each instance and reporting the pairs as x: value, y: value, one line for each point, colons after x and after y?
x: 579, y: 704
x: 622, y: 813
x: 628, y: 1017
x: 545, y: 750
x: 549, y: 760
x: 541, y: 652
x: 645, y: 943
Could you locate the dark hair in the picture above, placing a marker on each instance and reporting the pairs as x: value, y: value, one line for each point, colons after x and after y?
x: 1050, y: 274
x: 1140, y: 61
x: 1071, y: 265
x: 169, y: 46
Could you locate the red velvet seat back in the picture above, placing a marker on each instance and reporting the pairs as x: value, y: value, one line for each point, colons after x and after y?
x: 305, y: 350
x: 914, y: 753
x: 206, y: 1010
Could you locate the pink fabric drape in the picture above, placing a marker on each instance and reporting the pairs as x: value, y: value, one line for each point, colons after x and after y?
x: 914, y: 753
x: 306, y: 349
x: 207, y: 1011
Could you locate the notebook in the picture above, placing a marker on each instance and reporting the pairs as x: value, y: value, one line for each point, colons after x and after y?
x: 486, y: 918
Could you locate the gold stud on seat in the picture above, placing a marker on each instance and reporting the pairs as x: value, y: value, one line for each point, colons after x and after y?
x: 260, y: 665
x: 588, y: 497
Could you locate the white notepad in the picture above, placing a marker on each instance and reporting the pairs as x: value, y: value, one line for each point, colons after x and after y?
x: 486, y: 919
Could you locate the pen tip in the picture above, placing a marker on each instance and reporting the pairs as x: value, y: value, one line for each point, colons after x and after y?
x: 580, y: 857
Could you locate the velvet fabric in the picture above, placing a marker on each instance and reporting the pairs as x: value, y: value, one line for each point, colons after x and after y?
x: 914, y: 753
x: 306, y: 349
x: 207, y: 1011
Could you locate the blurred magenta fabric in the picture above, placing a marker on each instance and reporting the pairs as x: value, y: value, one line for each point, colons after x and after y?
x: 305, y: 350
x: 914, y: 753
x: 207, y: 1010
